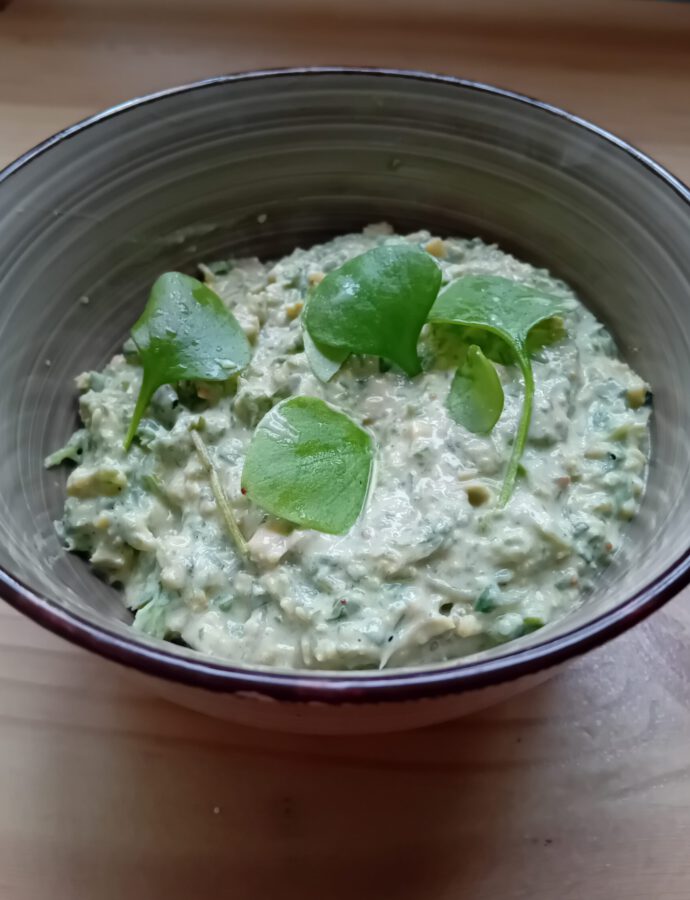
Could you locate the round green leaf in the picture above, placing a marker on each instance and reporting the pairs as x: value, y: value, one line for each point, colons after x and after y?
x: 185, y: 332
x: 376, y: 304
x: 309, y: 464
x: 507, y: 308
x: 475, y: 399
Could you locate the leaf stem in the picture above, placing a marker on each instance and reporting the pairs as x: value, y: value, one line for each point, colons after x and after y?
x: 146, y: 391
x: 219, y: 493
x: 523, y: 428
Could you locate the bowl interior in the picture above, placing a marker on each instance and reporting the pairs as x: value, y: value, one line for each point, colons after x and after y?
x: 260, y: 165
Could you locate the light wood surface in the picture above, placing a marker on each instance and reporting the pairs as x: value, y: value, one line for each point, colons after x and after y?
x: 580, y: 789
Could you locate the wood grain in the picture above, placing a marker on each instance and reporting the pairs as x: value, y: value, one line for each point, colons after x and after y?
x: 580, y: 789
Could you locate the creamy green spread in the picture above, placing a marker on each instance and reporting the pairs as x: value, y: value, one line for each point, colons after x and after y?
x: 434, y: 568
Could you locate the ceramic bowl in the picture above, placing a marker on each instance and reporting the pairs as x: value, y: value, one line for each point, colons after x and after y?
x: 262, y: 162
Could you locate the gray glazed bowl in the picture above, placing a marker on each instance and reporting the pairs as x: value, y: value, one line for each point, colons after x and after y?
x: 259, y: 163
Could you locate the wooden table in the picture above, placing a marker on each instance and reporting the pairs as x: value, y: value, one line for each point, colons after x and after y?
x: 580, y: 789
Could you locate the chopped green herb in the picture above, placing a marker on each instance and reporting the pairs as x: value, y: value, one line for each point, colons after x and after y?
x: 72, y: 451
x: 532, y: 623
x: 152, y: 484
x: 485, y: 602
x: 151, y: 617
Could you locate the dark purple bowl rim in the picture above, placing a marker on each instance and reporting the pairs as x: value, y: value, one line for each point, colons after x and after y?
x: 335, y: 687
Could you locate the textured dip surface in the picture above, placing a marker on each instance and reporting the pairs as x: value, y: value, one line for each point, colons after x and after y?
x: 433, y: 569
